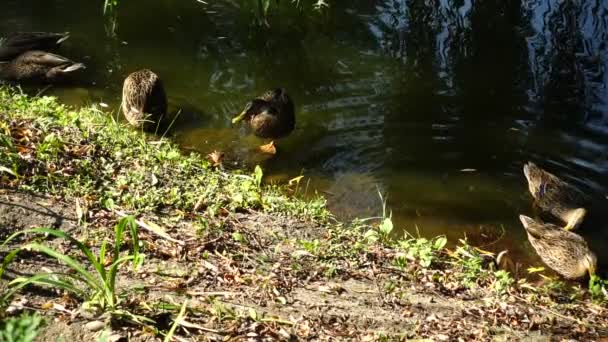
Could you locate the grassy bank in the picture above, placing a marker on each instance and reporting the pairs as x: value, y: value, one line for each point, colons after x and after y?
x: 148, y: 243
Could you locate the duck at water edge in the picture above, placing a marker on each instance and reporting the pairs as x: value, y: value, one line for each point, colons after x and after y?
x: 565, y: 252
x: 14, y: 44
x: 144, y: 101
x: 38, y: 66
x: 556, y: 196
x: 271, y: 116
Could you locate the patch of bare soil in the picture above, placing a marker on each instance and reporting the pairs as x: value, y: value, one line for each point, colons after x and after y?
x: 20, y: 211
x: 247, y: 277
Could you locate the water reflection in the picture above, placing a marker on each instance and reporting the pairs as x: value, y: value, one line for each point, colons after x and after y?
x: 399, y: 94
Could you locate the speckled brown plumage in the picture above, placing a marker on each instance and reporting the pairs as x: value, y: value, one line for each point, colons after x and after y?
x: 38, y: 66
x: 271, y: 115
x: 555, y: 196
x: 144, y: 101
x: 14, y: 44
x: 565, y: 252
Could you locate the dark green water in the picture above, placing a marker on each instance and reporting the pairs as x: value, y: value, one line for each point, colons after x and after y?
x: 437, y: 103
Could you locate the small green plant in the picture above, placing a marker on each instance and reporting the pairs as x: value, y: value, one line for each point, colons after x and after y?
x: 470, y: 262
x: 311, y: 247
x: 598, y: 288
x: 24, y: 328
x: 421, y: 249
x: 502, y: 282
x: 238, y: 237
x: 222, y: 312
x: 97, y: 287
x: 385, y: 228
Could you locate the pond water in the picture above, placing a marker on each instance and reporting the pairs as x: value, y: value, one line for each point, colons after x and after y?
x: 436, y: 103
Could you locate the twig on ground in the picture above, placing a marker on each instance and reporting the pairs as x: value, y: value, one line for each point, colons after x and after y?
x: 212, y: 293
x: 578, y: 321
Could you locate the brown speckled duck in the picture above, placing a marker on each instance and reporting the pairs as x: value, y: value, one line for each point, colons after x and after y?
x: 14, y: 44
x: 565, y: 252
x: 555, y: 196
x: 38, y: 66
x: 271, y: 115
x: 144, y: 101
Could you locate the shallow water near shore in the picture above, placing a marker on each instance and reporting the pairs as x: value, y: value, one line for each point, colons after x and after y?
x: 435, y: 105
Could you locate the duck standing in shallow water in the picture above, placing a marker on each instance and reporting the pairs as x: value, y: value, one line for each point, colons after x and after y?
x: 555, y: 196
x: 271, y: 115
x: 565, y: 252
x: 38, y: 66
x: 144, y: 101
x: 14, y: 44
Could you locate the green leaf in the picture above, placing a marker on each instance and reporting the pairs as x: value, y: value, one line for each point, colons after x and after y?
x: 257, y: 175
x: 387, y: 226
x: 57, y: 233
x: 238, y: 237
x: 371, y: 235
x: 89, y: 278
x: 253, y: 314
x: 45, y: 279
x: 440, y: 242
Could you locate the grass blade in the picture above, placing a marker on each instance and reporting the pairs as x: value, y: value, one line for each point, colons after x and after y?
x: 91, y: 280
x: 8, y: 259
x: 57, y: 233
x: 45, y: 279
x: 177, y: 321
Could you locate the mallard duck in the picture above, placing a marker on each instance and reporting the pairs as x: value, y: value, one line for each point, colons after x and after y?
x: 38, y: 66
x: 271, y: 115
x: 14, y: 44
x: 144, y: 101
x: 555, y: 196
x: 565, y: 252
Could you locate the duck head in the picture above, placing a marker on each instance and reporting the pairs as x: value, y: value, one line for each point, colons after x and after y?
x: 535, y: 177
x: 254, y: 108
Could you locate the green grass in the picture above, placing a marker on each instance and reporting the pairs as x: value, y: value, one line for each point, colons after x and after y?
x: 50, y: 148
x: 92, y: 281
x: 23, y: 328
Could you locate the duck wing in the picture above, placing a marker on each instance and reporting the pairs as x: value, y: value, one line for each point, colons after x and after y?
x: 17, y: 43
x: 35, y: 40
x: 44, y: 58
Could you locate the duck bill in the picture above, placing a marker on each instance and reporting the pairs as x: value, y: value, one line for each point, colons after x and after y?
x: 239, y: 118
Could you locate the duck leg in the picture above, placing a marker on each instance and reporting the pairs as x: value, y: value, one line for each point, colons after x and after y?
x: 269, y: 148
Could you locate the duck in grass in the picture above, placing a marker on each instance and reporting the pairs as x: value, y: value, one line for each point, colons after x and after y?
x: 271, y: 116
x: 144, y: 101
x: 38, y: 66
x: 565, y: 252
x: 14, y: 44
x: 555, y: 196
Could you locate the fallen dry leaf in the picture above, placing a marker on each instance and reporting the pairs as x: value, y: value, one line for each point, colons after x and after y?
x: 216, y: 158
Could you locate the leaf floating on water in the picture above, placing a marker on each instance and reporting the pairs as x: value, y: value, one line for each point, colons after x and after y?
x: 269, y: 148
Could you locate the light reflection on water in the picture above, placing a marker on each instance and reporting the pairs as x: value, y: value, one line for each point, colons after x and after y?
x: 392, y: 95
